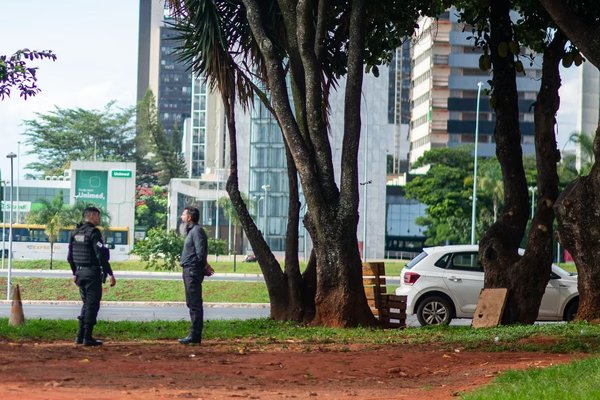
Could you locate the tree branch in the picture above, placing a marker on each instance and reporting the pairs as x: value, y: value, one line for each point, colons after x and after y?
x: 584, y: 35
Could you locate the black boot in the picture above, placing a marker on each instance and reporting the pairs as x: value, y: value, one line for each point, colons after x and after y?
x: 88, y: 340
x: 190, y: 339
x: 79, y: 338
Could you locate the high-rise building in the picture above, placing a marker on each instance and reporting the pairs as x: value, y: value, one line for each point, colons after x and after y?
x: 445, y: 74
x: 399, y: 106
x: 587, y: 119
x: 159, y: 68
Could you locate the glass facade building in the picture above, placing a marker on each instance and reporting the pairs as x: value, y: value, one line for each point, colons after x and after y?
x: 268, y: 181
x: 197, y: 143
x: 174, y: 85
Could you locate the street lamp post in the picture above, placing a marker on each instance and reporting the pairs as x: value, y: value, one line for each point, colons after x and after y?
x: 366, y: 181
x: 18, y: 182
x: 217, y: 208
x: 532, y: 189
x: 10, y: 155
x: 303, y: 211
x: 3, y: 221
x: 258, y: 199
x: 474, y: 202
x: 266, y: 188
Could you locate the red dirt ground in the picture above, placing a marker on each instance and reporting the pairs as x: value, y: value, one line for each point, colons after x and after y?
x: 218, y: 370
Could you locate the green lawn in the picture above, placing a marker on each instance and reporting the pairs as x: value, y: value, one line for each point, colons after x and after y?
x: 392, y: 268
x: 574, y: 381
x: 140, y: 290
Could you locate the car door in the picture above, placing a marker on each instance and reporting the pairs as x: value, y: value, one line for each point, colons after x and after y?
x: 463, y: 277
x: 551, y: 299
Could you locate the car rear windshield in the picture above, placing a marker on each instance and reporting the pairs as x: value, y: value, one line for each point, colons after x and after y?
x: 416, y: 260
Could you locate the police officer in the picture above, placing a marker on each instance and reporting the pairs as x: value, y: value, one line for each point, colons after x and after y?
x: 195, y: 267
x: 88, y: 258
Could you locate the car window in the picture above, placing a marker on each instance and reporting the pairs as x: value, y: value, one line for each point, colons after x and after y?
x: 467, y: 261
x: 416, y: 260
x: 443, y: 261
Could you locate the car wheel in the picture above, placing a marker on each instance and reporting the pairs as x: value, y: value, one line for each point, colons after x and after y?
x: 571, y: 310
x: 434, y: 310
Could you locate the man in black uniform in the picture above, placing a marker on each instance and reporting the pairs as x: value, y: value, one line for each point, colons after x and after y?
x: 88, y: 258
x: 194, y: 265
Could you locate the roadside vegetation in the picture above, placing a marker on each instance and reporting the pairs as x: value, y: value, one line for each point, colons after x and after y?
x: 62, y: 289
x: 392, y: 267
x: 576, y: 380
x: 578, y: 337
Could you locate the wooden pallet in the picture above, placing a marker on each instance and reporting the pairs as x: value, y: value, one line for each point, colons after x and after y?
x: 388, y: 308
x: 393, y: 311
x: 374, y: 284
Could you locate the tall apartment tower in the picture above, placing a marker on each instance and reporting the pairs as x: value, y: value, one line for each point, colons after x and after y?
x: 445, y: 74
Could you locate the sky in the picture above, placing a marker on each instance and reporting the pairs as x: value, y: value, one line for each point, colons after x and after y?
x: 96, y: 45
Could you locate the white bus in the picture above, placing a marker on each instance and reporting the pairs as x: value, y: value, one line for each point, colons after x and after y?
x: 31, y: 243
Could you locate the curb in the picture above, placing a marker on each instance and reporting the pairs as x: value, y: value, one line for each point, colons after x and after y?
x: 124, y: 274
x: 139, y: 304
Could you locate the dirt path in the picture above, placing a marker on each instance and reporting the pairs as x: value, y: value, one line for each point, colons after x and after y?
x: 167, y: 370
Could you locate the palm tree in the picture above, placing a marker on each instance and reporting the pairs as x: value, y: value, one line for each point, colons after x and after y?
x: 490, y: 183
x: 54, y: 215
x: 585, y: 144
x: 229, y: 211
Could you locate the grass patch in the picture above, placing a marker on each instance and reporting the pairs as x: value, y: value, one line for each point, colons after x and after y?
x: 565, y: 338
x: 577, y: 380
x: 392, y: 268
x: 140, y: 290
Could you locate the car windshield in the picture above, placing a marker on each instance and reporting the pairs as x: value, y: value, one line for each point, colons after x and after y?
x: 416, y: 260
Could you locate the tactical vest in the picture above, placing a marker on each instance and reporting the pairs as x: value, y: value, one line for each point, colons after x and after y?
x: 83, y: 253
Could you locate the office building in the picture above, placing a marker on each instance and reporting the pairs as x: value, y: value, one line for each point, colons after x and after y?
x: 159, y: 68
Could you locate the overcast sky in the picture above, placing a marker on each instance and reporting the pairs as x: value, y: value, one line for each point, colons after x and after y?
x: 96, y: 45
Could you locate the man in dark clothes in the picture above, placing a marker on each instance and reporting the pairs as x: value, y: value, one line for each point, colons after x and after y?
x: 194, y: 265
x: 88, y: 258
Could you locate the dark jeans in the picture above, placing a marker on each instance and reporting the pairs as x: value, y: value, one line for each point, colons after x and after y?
x: 89, y: 281
x: 192, y: 280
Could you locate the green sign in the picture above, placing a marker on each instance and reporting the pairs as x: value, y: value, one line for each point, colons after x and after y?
x: 121, y: 173
x: 91, y: 187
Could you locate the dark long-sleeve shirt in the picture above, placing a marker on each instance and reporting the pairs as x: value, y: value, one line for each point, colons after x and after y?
x: 195, y: 248
x: 99, y: 252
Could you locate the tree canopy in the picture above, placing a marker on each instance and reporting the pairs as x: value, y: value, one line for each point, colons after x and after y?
x: 15, y: 72
x: 158, y: 158
x: 64, y: 135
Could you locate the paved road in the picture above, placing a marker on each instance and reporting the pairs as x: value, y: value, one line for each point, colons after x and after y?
x: 137, y: 312
x: 113, y: 311
x: 33, y: 273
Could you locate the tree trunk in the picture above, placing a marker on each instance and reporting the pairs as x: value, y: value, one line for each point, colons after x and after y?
x: 578, y: 221
x: 577, y: 206
x: 51, y: 253
x: 531, y: 274
x: 332, y: 212
x: 525, y: 277
x: 340, y: 297
x: 285, y: 290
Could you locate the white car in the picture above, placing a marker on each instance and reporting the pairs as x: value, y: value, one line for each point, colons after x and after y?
x: 443, y: 283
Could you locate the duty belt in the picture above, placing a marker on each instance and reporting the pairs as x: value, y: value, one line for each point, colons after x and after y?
x: 81, y: 266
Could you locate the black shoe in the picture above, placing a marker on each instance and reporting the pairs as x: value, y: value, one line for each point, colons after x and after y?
x: 78, y: 340
x: 91, y: 342
x: 189, y: 340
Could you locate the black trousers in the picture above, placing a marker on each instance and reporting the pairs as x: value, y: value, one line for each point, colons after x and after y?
x: 89, y: 281
x: 192, y: 280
